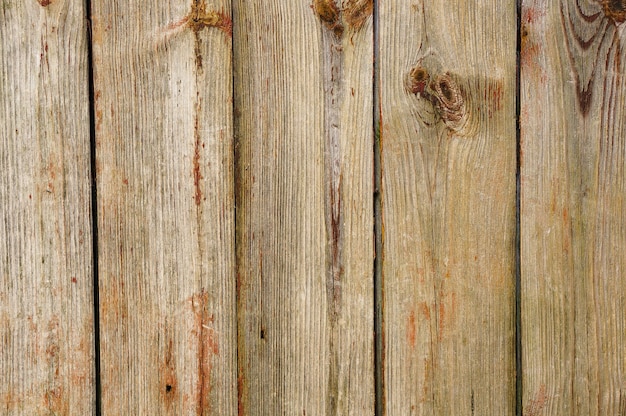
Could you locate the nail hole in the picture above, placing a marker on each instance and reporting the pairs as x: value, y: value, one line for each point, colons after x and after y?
x: 168, y: 388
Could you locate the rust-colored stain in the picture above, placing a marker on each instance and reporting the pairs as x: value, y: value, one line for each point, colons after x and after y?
x: 208, y: 346
x: 98, y: 119
x: 447, y: 313
x: 537, y: 403
x: 240, y: 393
x: 55, y: 399
x: 493, y: 96
x: 424, y: 310
x: 169, y: 384
x: 428, y: 368
x: 197, y: 175
x: 410, y: 329
x: 10, y: 400
x: 74, y: 280
x: 44, y: 3
x: 530, y: 48
x: 615, y: 10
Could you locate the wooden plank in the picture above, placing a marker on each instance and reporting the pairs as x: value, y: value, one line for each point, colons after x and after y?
x: 46, y: 267
x: 448, y: 157
x: 573, y: 107
x: 303, y: 99
x: 163, y: 86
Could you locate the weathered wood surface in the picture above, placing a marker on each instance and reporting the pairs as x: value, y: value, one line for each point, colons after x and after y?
x: 163, y: 88
x: 448, y: 151
x: 573, y: 216
x: 303, y: 99
x: 46, y: 273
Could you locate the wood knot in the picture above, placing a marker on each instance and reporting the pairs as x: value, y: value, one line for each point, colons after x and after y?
x: 450, y: 100
x: 353, y: 15
x: 328, y: 13
x: 447, y: 97
x: 416, y: 80
x: 357, y: 12
x: 199, y: 18
x: 615, y: 10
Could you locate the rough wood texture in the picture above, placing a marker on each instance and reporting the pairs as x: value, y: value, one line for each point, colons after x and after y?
x: 163, y: 86
x: 447, y: 128
x: 573, y: 211
x: 46, y: 273
x: 303, y: 77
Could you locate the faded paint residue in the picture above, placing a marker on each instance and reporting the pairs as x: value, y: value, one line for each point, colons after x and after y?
x: 410, y: 329
x: 537, y: 403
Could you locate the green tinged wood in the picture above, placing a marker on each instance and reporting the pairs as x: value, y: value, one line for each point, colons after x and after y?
x: 46, y: 270
x: 448, y: 153
x: 303, y: 97
x: 573, y: 212
x: 163, y: 87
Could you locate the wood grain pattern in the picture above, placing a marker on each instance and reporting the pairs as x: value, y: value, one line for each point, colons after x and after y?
x: 303, y: 78
x: 46, y: 267
x: 573, y: 214
x: 163, y: 86
x: 448, y: 153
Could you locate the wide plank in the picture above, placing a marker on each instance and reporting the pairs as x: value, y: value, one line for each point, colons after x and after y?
x: 46, y: 256
x: 573, y: 214
x: 303, y: 105
x: 448, y: 161
x: 164, y: 147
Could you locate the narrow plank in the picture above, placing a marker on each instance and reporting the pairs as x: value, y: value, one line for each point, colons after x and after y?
x: 303, y: 99
x: 448, y: 160
x: 573, y: 107
x: 46, y: 267
x: 163, y: 86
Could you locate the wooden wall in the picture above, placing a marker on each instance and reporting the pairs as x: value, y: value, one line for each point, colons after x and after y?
x: 312, y: 207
